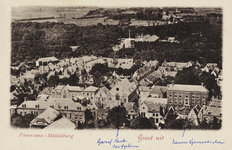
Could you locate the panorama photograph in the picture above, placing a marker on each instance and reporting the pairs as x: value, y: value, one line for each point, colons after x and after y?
x: 83, y: 68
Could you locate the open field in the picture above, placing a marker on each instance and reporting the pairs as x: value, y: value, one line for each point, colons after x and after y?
x: 42, y: 12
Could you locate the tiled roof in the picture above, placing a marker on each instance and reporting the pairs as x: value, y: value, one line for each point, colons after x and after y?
x: 183, y: 87
x: 62, y: 123
x: 152, y: 107
x: 48, y: 115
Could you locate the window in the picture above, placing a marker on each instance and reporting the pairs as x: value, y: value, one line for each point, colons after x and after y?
x: 31, y: 112
x: 186, y: 96
x: 117, y: 97
x: 175, y: 95
x: 142, y: 114
x: 128, y: 116
x: 179, y: 102
x: 36, y: 113
x: 186, y: 101
x: 156, y: 120
x: 157, y: 115
x: 125, y: 100
x: 143, y: 107
x: 180, y: 96
x: 153, y: 114
x: 203, y: 96
x: 209, y: 113
x: 110, y: 98
x: 193, y: 102
x: 170, y: 102
x: 193, y: 96
x: 198, y: 96
x: 170, y: 95
x: 25, y: 113
x: 117, y: 89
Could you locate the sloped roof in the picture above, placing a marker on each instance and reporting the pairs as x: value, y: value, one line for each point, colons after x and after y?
x: 130, y: 106
x: 46, y: 91
x: 105, y: 90
x: 47, y: 59
x: 158, y: 90
x: 91, y: 89
x: 157, y: 100
x: 152, y: 107
x: 74, y: 88
x: 48, y: 115
x: 184, y: 87
x: 59, y: 87
x: 58, y: 103
x: 63, y: 123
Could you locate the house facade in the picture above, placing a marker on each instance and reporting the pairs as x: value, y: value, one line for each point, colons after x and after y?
x: 180, y: 96
x: 66, y: 106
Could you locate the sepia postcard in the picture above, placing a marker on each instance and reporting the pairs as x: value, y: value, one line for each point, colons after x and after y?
x: 115, y: 74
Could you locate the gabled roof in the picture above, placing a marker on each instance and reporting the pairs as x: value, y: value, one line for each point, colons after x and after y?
x: 152, y: 107
x: 184, y: 87
x: 46, y: 91
x: 91, y: 89
x: 49, y: 115
x: 62, y: 123
x: 59, y: 87
x: 158, y: 90
x: 47, y: 59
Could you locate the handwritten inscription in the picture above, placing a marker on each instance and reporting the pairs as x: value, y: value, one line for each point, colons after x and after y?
x: 192, y: 142
x: 116, y: 143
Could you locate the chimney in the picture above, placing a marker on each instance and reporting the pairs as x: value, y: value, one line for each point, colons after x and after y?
x: 202, y: 84
x: 172, y: 83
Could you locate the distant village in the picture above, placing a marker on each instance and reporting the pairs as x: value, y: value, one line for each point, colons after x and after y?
x: 72, y: 106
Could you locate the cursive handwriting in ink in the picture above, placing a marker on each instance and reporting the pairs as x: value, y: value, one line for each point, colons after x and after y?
x: 185, y: 121
x: 192, y: 142
x: 99, y: 142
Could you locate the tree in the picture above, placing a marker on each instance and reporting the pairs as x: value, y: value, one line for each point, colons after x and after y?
x: 141, y: 123
x: 216, y: 123
x: 53, y: 81
x: 177, y: 124
x: 117, y: 116
x: 21, y: 121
